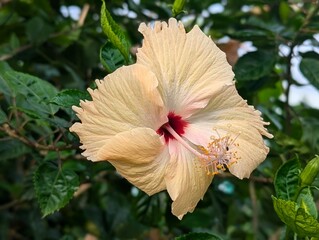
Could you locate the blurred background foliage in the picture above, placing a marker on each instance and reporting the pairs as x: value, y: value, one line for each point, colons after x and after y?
x: 49, y: 55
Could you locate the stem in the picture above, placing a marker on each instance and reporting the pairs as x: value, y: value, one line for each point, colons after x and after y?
x: 289, y: 78
x: 15, y: 51
x: 251, y: 178
x: 59, y: 160
x: 83, y: 15
x: 10, y: 204
x: 13, y: 133
x: 287, y: 92
x: 287, y: 234
x: 253, y: 197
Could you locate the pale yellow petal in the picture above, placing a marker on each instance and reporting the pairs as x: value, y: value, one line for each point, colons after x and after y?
x: 125, y: 99
x: 228, y: 114
x: 185, y: 179
x: 139, y: 156
x: 188, y: 66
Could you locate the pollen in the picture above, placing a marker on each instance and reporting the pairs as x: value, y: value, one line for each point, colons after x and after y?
x: 220, y: 153
x: 217, y: 156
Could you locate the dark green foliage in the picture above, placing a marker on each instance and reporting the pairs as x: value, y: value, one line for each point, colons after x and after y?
x: 296, y: 218
x: 287, y: 179
x: 31, y: 93
x: 255, y: 65
x: 310, y: 68
x: 12, y: 148
x: 70, y: 97
x: 295, y: 204
x: 305, y: 199
x: 111, y: 57
x: 115, y: 34
x: 3, y: 117
x: 198, y: 236
x: 54, y: 187
x: 47, y: 61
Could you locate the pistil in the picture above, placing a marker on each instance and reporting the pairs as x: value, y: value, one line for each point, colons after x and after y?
x: 216, y: 157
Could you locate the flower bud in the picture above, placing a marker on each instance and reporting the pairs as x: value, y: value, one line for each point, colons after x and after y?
x: 178, y: 7
x: 310, y: 172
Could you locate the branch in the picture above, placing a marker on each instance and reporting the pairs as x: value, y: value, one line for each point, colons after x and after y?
x: 253, y: 198
x: 83, y: 15
x: 14, y: 134
x: 251, y: 178
x: 10, y: 204
x: 15, y: 51
x: 3, y: 2
x: 287, y: 92
x: 289, y: 78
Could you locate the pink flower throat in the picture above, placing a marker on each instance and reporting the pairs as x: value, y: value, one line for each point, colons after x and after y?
x: 215, y: 158
x: 174, y: 121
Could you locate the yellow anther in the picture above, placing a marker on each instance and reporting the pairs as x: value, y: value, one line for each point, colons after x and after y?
x: 220, y: 153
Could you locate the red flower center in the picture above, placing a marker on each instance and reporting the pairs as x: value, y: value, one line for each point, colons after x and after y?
x: 174, y: 121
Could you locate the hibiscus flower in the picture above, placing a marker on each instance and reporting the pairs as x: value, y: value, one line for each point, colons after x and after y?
x: 174, y: 119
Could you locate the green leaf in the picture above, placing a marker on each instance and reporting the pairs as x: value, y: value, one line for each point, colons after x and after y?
x: 115, y: 34
x: 4, y: 66
x: 54, y: 187
x: 76, y: 80
x: 111, y: 57
x: 311, y: 130
x: 71, y: 35
x: 12, y: 149
x: 69, y: 97
x: 31, y: 93
x: 198, y: 236
x: 148, y: 208
x: 310, y: 54
x: 287, y: 179
x: 254, y: 65
x: 201, y: 218
x: 306, y: 201
x: 251, y: 34
x: 59, y: 122
x: 284, y: 12
x: 14, y: 41
x: 3, y: 116
x: 310, y: 69
x: 38, y: 30
x: 296, y: 218
x: 272, y: 26
x: 30, y: 113
x: 4, y: 88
